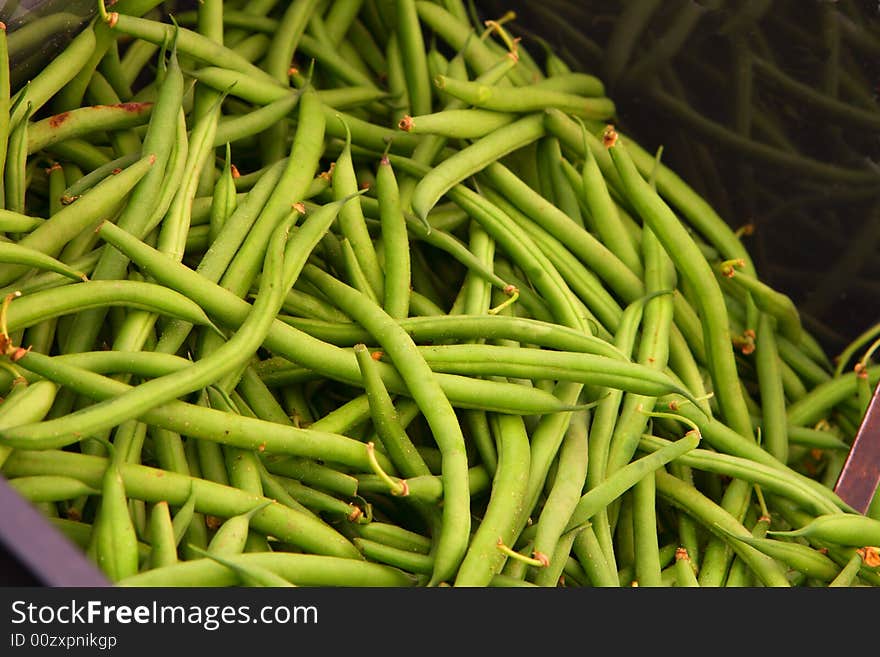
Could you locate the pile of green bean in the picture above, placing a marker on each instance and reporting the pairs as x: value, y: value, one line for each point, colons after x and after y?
x: 360, y: 293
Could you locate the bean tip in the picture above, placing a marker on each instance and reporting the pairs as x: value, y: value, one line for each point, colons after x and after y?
x: 609, y: 136
x: 406, y: 123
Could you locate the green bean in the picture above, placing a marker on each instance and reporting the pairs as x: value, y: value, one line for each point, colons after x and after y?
x: 472, y: 159
x: 231, y: 536
x: 5, y: 104
x: 412, y: 48
x: 397, y: 444
x: 434, y: 404
x: 717, y: 519
x: 33, y: 308
x: 114, y: 533
x: 15, y: 172
x: 51, y: 488
x: 593, y: 560
x: 771, y: 479
x: 85, y: 120
x: 694, y: 268
x: 57, y: 73
x: 187, y: 41
x: 153, y: 485
x: 248, y: 574
x: 394, y: 238
x: 51, y: 235
x: 523, y: 100
x: 802, y: 558
x: 597, y: 498
x: 299, y: 569
x: 774, y: 423
x: 317, y: 355
x: 518, y: 361
x: 12, y: 252
x: 483, y: 560
x: 467, y: 327
x: 840, y: 529
x: 411, y: 562
x: 163, y: 543
x: 393, y: 536
x: 646, y: 549
x: 566, y: 490
x: 847, y: 576
x: 653, y: 349
x: 352, y: 223
x: 16, y: 222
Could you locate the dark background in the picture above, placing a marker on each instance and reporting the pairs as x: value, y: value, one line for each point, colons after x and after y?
x: 814, y: 237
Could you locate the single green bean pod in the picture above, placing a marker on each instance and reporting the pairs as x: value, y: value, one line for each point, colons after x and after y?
x: 839, y: 528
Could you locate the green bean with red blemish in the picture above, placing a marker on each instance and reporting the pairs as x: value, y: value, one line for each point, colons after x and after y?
x: 84, y: 121
x: 684, y: 569
x: 153, y: 485
x: 223, y: 199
